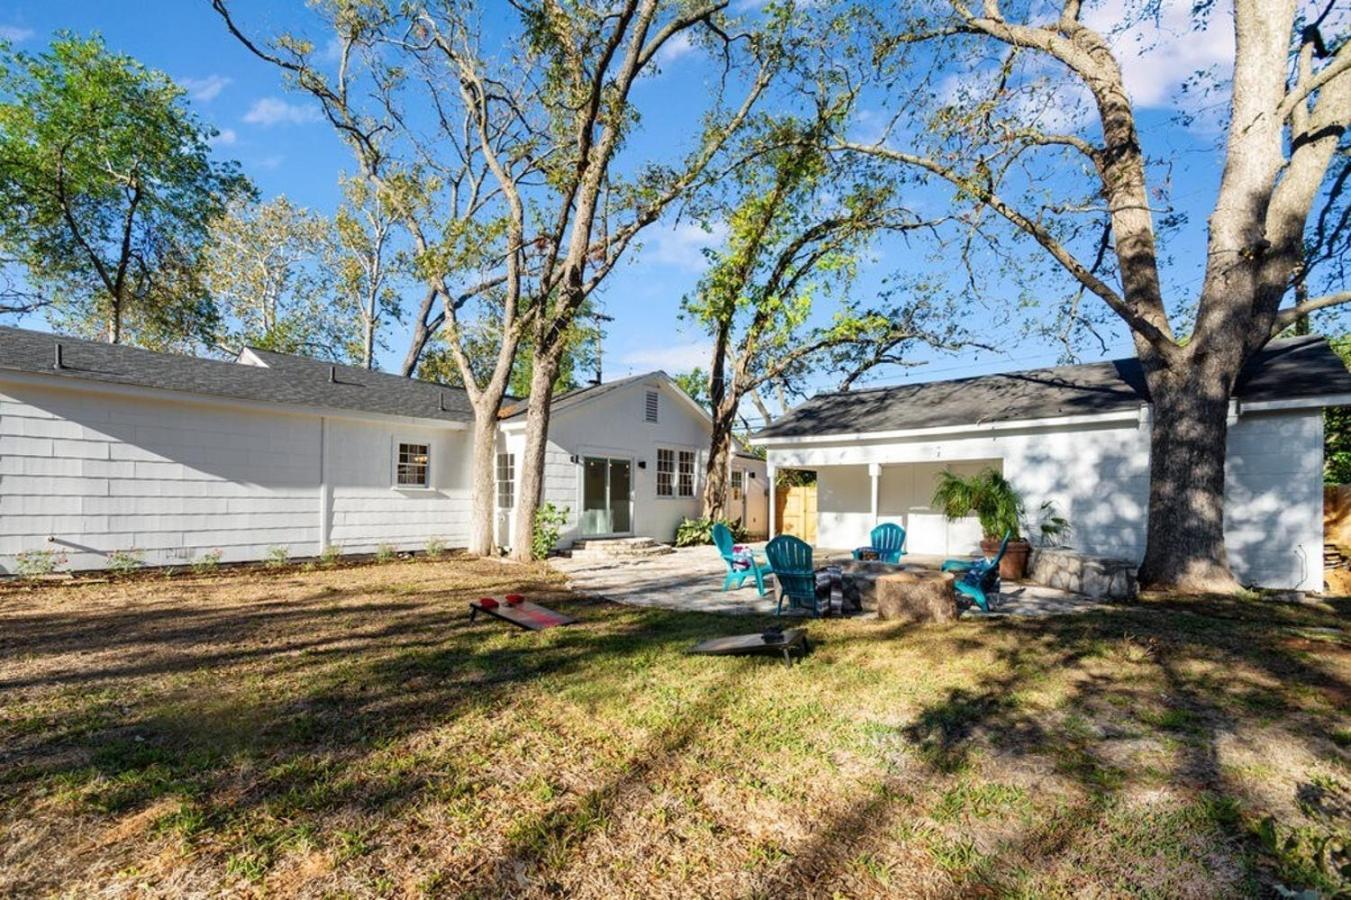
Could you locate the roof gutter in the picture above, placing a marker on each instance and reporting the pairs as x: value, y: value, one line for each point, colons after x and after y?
x: 1122, y: 415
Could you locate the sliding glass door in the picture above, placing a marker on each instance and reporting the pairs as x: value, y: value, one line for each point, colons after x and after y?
x: 607, y: 504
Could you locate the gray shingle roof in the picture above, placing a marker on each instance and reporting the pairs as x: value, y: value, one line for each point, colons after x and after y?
x: 290, y: 380
x: 577, y: 396
x: 1296, y: 367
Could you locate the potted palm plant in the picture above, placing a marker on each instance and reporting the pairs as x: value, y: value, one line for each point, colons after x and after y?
x: 990, y: 497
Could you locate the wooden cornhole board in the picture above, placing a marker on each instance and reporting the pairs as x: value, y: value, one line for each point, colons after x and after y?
x: 521, y: 613
x: 793, y: 639
x: 917, y: 596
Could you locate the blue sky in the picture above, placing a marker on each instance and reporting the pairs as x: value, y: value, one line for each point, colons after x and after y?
x: 284, y: 147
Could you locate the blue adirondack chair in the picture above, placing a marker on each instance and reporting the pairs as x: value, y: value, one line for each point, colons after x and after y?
x: 980, y: 585
x: 888, y: 539
x: 791, y: 559
x: 966, y: 565
x: 739, y: 568
x: 978, y: 579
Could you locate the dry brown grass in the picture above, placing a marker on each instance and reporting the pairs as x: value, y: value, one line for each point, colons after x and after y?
x: 350, y: 732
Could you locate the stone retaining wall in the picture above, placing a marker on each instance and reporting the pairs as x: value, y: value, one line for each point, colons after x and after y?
x: 1100, y: 577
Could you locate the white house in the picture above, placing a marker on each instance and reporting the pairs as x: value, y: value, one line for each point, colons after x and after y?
x: 627, y: 458
x: 107, y: 448
x: 1077, y: 436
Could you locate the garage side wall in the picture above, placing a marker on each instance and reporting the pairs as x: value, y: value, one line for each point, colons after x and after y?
x: 1273, y: 524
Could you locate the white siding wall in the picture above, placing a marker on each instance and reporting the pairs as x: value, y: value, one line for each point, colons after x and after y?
x: 614, y: 425
x: 1098, y: 477
x: 368, y: 511
x: 1273, y: 524
x: 101, y: 472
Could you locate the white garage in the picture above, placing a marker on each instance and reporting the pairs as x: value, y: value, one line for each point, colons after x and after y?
x: 1077, y: 436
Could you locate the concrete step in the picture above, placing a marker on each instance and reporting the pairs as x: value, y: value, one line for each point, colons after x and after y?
x: 601, y: 549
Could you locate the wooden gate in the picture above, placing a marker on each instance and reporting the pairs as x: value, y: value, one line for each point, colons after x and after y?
x: 795, y: 511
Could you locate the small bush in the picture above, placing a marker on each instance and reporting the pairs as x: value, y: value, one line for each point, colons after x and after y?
x: 330, y: 556
x: 124, y: 562
x: 549, y: 522
x: 37, y: 563
x: 209, y: 562
x: 436, y: 548
x: 697, y: 532
x: 277, y: 557
x: 386, y: 553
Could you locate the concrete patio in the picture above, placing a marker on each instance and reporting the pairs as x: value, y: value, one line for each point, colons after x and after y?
x: 690, y: 580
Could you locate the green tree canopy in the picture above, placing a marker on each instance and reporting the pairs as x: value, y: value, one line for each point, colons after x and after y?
x: 108, y: 190
x: 264, y: 265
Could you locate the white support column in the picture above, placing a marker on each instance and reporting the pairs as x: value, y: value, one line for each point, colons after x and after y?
x: 875, y: 475
x: 773, y: 504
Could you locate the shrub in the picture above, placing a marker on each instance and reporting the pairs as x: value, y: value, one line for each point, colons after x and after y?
x: 436, y: 548
x: 988, y: 495
x: 124, y: 562
x: 330, y: 555
x: 277, y: 557
x: 37, y: 563
x: 209, y: 562
x: 386, y: 553
x: 549, y: 522
x: 697, y: 532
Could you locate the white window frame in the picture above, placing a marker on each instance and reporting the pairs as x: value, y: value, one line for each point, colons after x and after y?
x: 670, y: 492
x: 396, y: 452
x: 738, y: 483
x: 692, y: 458
x: 509, y: 481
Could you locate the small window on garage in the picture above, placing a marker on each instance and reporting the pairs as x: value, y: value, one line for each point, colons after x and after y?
x: 413, y: 467
x: 653, y: 400
x: 738, y: 483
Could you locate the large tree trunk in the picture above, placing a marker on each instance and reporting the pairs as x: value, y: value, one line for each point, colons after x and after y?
x: 715, y: 481
x: 1184, y: 549
x: 543, y: 372
x: 719, y: 459
x: 482, y: 540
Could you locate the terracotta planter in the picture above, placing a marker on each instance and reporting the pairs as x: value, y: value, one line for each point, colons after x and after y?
x: 1014, y: 564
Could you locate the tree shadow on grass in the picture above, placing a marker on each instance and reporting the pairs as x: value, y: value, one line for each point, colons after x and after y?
x: 309, y: 711
x: 1102, y: 833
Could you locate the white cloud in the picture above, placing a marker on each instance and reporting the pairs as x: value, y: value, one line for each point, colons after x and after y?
x: 15, y: 34
x: 225, y: 138
x: 673, y: 358
x: 680, y: 44
x: 270, y: 111
x: 1158, y: 54
x: 681, y: 245
x: 205, y: 89
x: 270, y: 162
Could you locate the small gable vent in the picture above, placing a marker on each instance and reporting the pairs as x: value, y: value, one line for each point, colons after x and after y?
x: 651, y: 415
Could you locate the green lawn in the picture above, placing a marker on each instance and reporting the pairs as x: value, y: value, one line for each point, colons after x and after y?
x: 349, y: 732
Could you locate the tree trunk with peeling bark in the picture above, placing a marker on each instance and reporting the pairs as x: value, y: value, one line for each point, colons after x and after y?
x: 1188, y: 437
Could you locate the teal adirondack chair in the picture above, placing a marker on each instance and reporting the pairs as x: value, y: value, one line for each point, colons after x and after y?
x: 888, y: 539
x: 791, y: 559
x: 738, y: 570
x: 978, y: 579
